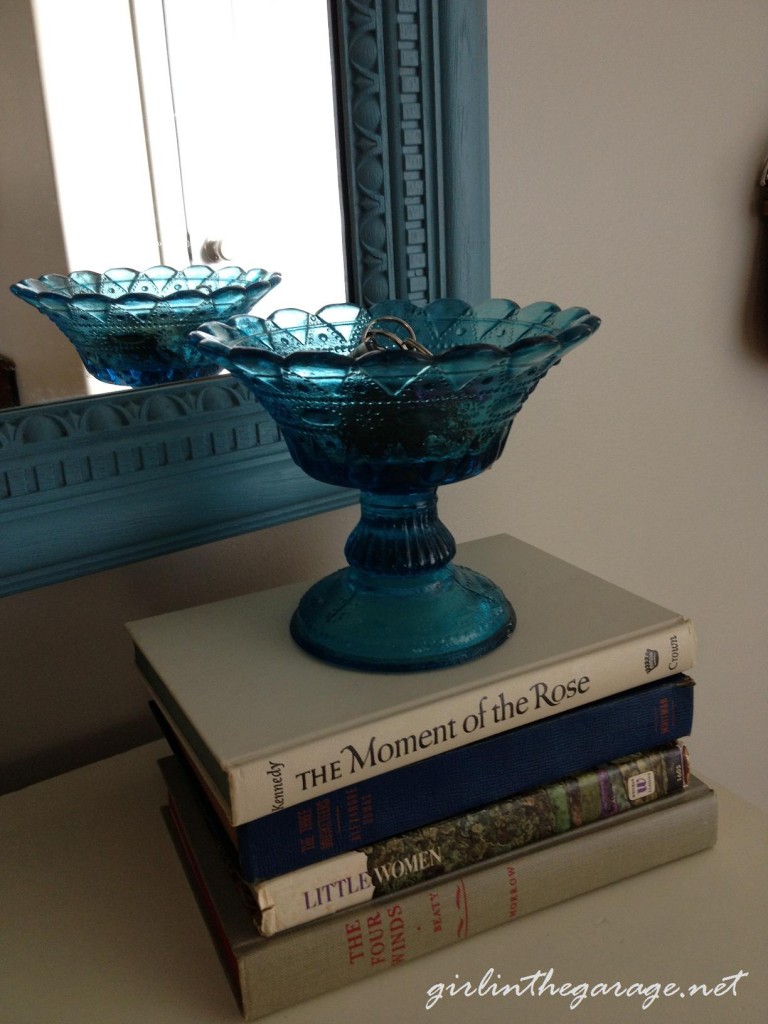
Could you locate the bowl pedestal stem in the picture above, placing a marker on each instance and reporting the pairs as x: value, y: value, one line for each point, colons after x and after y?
x: 401, y: 605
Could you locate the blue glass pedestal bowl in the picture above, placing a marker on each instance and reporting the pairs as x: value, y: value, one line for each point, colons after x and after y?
x: 131, y: 327
x: 397, y: 400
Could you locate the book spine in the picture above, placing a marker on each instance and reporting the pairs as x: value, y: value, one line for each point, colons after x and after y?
x: 268, y: 784
x: 282, y: 971
x: 454, y: 844
x: 459, y: 780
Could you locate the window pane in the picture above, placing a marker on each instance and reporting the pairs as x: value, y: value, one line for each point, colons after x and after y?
x: 254, y: 108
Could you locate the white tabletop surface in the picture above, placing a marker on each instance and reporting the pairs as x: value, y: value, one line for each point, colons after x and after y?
x: 99, y: 926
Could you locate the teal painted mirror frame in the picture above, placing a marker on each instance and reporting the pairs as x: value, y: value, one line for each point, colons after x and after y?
x: 98, y: 482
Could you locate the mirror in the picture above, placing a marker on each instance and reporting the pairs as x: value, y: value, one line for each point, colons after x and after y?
x: 194, y: 145
x: 101, y: 481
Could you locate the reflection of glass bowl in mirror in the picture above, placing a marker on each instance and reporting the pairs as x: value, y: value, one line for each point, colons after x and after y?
x: 131, y: 327
x: 397, y: 400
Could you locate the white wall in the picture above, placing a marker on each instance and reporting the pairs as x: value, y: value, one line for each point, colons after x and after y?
x: 626, y: 140
x: 31, y: 241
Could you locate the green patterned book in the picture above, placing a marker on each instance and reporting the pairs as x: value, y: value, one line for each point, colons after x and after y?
x: 467, y: 839
x: 269, y: 974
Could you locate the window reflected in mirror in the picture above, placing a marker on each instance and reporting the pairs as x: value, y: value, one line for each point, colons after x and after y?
x: 192, y: 132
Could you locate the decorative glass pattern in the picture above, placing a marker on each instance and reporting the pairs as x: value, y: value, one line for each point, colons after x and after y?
x: 396, y: 400
x: 130, y: 327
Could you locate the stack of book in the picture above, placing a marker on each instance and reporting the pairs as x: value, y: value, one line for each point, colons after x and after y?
x: 336, y: 823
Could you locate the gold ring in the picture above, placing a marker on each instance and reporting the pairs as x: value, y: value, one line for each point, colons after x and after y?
x: 370, y: 343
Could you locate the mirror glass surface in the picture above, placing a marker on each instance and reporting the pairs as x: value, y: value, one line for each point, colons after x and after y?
x: 204, y: 133
x: 91, y: 483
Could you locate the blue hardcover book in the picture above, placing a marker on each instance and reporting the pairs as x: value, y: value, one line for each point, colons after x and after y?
x: 459, y: 780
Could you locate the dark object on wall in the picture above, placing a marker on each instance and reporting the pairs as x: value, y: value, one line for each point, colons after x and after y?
x: 9, y: 390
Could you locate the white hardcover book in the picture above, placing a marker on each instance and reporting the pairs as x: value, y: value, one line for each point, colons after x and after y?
x: 271, y: 726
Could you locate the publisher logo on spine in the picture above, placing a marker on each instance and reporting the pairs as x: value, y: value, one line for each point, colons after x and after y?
x: 651, y: 660
x: 640, y: 786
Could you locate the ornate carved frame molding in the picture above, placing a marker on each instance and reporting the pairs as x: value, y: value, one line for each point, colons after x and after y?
x: 98, y: 482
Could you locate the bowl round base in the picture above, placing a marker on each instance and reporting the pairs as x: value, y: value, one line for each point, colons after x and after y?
x: 402, y: 624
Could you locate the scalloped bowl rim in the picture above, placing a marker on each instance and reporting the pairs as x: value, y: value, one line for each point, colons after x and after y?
x: 25, y: 289
x: 221, y: 337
